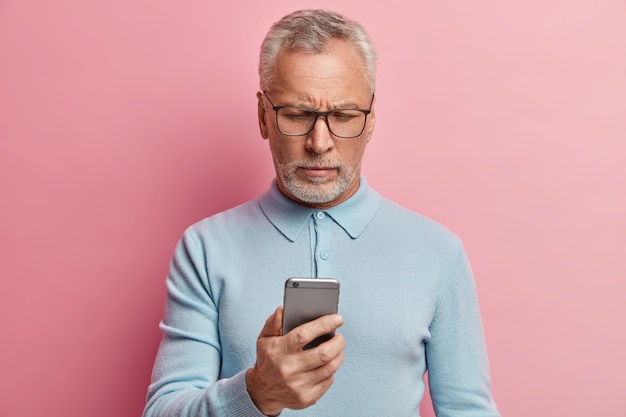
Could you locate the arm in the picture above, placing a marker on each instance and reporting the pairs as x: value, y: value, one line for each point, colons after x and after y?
x: 186, y: 377
x: 456, y: 355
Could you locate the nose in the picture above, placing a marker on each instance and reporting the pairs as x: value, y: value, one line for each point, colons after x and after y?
x: 319, y: 140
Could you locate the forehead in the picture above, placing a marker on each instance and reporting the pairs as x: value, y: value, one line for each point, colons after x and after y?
x: 322, y: 79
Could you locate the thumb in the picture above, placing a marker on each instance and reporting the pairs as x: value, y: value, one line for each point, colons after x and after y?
x: 273, y: 325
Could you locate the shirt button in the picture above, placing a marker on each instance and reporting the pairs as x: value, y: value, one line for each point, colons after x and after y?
x: 320, y: 215
x: 324, y: 255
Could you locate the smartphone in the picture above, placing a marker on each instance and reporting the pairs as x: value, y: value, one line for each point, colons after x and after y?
x: 307, y: 299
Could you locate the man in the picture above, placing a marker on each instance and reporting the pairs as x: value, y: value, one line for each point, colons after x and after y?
x: 408, y: 298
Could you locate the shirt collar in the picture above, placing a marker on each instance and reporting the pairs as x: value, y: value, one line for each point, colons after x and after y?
x: 289, y: 217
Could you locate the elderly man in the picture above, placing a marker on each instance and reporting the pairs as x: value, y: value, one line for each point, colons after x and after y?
x: 408, y: 302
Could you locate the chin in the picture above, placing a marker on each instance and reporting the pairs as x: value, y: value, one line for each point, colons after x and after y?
x: 317, y: 191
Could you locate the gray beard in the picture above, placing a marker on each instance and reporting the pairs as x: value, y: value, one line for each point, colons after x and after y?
x: 315, y: 190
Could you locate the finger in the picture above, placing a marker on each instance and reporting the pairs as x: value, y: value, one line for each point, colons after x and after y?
x: 305, y: 333
x: 273, y: 324
x: 325, y: 353
x: 327, y: 369
x: 321, y: 378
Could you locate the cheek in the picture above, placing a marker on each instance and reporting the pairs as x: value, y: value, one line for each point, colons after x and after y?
x: 281, y: 151
x: 355, y: 154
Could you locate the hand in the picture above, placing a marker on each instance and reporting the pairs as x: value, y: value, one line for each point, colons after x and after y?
x: 285, y: 375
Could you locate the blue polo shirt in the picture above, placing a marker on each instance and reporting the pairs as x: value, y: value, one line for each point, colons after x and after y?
x: 408, y: 300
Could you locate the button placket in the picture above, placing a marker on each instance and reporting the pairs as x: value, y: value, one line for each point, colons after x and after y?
x: 322, y: 235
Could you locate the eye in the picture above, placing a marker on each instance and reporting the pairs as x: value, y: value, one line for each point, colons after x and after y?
x: 295, y: 114
x: 345, y: 116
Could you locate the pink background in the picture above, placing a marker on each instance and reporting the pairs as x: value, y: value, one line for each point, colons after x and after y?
x: 124, y: 121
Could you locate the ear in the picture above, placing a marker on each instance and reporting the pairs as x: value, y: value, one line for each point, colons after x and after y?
x: 262, y: 115
x: 371, y: 122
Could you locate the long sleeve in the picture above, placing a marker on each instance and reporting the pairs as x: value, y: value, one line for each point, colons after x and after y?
x: 408, y: 299
x: 456, y: 356
x: 186, y: 376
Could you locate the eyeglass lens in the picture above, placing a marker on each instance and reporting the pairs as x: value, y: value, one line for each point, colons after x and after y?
x: 298, y: 121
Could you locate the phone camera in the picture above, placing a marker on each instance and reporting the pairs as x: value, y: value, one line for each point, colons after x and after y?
x: 296, y: 284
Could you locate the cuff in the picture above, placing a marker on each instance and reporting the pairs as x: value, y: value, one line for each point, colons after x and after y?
x: 235, y: 398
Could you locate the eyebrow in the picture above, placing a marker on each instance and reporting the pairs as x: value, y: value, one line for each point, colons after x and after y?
x: 340, y: 106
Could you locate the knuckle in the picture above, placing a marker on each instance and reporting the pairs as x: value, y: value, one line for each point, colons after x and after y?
x: 301, y: 335
x: 324, y: 355
x: 283, y: 373
x: 301, y: 397
x: 333, y: 366
x: 307, y: 398
x: 328, y: 351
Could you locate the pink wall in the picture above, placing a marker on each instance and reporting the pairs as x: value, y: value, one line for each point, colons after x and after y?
x: 122, y: 122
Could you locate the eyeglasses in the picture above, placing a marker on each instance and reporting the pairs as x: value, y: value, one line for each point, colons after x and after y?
x: 300, y: 121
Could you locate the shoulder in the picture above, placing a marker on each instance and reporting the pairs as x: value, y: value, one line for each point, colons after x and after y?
x: 395, y: 214
x: 228, y: 221
x: 411, y: 225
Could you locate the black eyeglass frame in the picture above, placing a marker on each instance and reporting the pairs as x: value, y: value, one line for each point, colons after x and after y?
x: 319, y: 114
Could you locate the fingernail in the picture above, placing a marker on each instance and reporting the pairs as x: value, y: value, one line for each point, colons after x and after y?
x: 337, y: 320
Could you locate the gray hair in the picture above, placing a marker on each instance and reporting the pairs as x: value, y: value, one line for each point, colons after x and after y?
x: 310, y: 30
